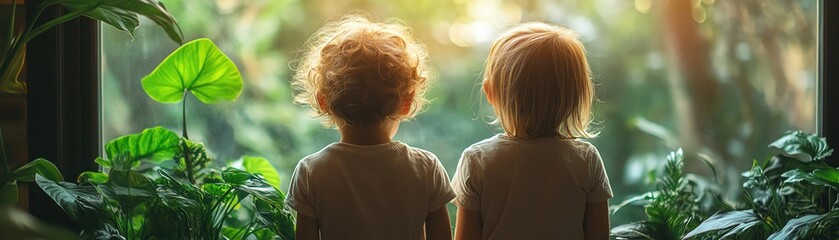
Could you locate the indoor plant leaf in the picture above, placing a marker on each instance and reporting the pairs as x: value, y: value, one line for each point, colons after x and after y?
x: 122, y: 14
x: 830, y: 175
x: 263, y: 167
x: 93, y: 177
x: 792, y: 229
x: 802, y: 146
x: 79, y: 201
x: 721, y: 221
x: 199, y: 67
x: 276, y: 217
x: 156, y: 144
x: 46, y: 169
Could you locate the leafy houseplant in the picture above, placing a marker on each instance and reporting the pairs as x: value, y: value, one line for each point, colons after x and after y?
x: 191, y: 199
x: 786, y: 194
x: 672, y: 209
x: 9, y: 177
x: 121, y: 14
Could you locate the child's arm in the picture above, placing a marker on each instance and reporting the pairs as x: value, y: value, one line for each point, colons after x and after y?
x: 596, y: 222
x: 437, y: 225
x: 468, y: 225
x: 307, y: 228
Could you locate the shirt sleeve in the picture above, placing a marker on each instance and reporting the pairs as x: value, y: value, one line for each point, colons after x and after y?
x: 299, y: 196
x: 466, y: 183
x: 599, y: 188
x: 441, y: 189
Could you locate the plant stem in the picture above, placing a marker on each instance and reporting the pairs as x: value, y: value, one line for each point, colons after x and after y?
x: 11, y: 35
x: 183, y: 114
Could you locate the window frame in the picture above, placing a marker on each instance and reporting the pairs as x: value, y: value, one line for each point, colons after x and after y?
x: 63, y: 103
x: 64, y: 98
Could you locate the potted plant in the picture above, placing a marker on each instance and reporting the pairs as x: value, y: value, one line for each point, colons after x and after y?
x: 194, y: 198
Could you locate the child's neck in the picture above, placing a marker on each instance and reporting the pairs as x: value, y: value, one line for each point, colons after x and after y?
x: 369, y: 134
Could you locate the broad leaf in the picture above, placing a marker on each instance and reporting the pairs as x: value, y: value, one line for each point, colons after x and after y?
x: 263, y: 167
x: 122, y: 14
x: 46, y: 169
x: 93, y: 177
x: 128, y: 188
x: 199, y: 67
x: 829, y: 175
x: 276, y: 217
x: 722, y: 221
x: 156, y: 144
x: 795, y: 226
x: 802, y: 146
x: 77, y: 200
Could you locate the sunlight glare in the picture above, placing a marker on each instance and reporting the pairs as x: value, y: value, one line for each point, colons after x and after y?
x: 643, y: 6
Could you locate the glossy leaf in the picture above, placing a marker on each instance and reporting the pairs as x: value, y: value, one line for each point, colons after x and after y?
x: 276, y: 217
x: 123, y: 14
x: 794, y: 226
x: 46, y: 169
x: 93, y: 177
x: 129, y: 189
x: 802, y: 146
x: 68, y: 197
x: 729, y: 220
x: 263, y: 167
x: 199, y: 67
x: 829, y: 175
x: 156, y: 144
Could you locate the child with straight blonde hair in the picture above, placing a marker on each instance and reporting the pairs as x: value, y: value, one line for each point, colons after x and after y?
x: 537, y: 180
x: 365, y: 77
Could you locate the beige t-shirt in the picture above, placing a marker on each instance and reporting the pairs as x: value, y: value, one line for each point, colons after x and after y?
x: 530, y: 189
x: 369, y: 192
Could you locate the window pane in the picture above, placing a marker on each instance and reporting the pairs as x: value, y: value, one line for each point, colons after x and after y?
x: 723, y: 78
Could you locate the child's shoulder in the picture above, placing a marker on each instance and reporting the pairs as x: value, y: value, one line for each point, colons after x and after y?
x: 501, y: 142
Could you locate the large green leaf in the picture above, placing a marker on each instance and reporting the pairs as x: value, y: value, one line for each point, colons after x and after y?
x: 258, y: 165
x: 795, y: 226
x: 199, y: 67
x: 79, y: 201
x: 123, y: 14
x: 156, y: 144
x: 736, y: 221
x: 128, y: 188
x: 276, y: 217
x: 828, y: 174
x: 46, y: 169
x: 802, y: 146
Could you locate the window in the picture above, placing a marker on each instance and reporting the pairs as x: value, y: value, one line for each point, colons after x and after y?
x: 722, y: 78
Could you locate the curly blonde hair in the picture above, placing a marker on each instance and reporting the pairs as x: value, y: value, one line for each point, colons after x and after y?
x: 540, y: 83
x: 354, y: 71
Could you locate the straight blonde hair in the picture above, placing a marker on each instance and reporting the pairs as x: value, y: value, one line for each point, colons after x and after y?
x: 539, y: 82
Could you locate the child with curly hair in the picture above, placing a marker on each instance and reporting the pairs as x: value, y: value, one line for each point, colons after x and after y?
x: 364, y: 78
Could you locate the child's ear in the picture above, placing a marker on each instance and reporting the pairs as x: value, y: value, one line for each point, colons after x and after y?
x: 407, y: 102
x: 488, y: 91
x: 321, y: 102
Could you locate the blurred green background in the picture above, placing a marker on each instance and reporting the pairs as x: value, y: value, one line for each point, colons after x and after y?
x: 720, y: 79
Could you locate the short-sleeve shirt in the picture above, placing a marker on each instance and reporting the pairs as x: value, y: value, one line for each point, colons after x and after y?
x: 380, y: 191
x: 530, y: 188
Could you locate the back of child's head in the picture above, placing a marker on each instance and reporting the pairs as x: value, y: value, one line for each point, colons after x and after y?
x: 539, y: 82
x: 358, y: 72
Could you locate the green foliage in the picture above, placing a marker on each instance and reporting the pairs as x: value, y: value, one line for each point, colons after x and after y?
x: 198, y: 67
x: 672, y: 210
x: 9, y: 177
x: 139, y: 194
x: 126, y: 201
x: 802, y: 146
x: 157, y: 144
x: 121, y: 14
x: 785, y: 205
